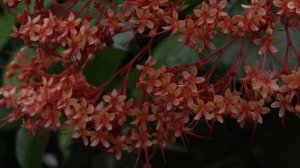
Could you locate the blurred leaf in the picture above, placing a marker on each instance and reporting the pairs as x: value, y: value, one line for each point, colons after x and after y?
x: 188, y: 5
x: 121, y: 40
x: 235, y: 7
x: 81, y: 4
x: 6, y: 26
x: 119, y: 1
x: 56, y: 68
x: 171, y: 52
x: 65, y: 140
x: 104, y: 65
x: 30, y: 148
x: 281, y: 44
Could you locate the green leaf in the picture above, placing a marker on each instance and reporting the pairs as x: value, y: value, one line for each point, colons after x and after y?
x: 56, y: 68
x: 104, y: 65
x: 65, y: 141
x: 171, y: 52
x: 121, y: 40
x: 6, y: 26
x: 235, y: 7
x: 30, y: 148
x: 118, y: 2
x: 281, y: 44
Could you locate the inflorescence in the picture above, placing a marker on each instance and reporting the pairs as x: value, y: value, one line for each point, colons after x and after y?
x: 173, y: 99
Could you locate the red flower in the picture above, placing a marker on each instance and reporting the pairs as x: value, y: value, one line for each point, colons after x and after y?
x: 115, y: 100
x: 143, y: 20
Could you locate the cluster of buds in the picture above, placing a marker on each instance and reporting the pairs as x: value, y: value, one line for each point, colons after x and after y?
x: 173, y: 99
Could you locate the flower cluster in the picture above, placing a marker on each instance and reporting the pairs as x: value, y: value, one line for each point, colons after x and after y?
x: 75, y: 34
x: 173, y: 99
x: 174, y: 104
